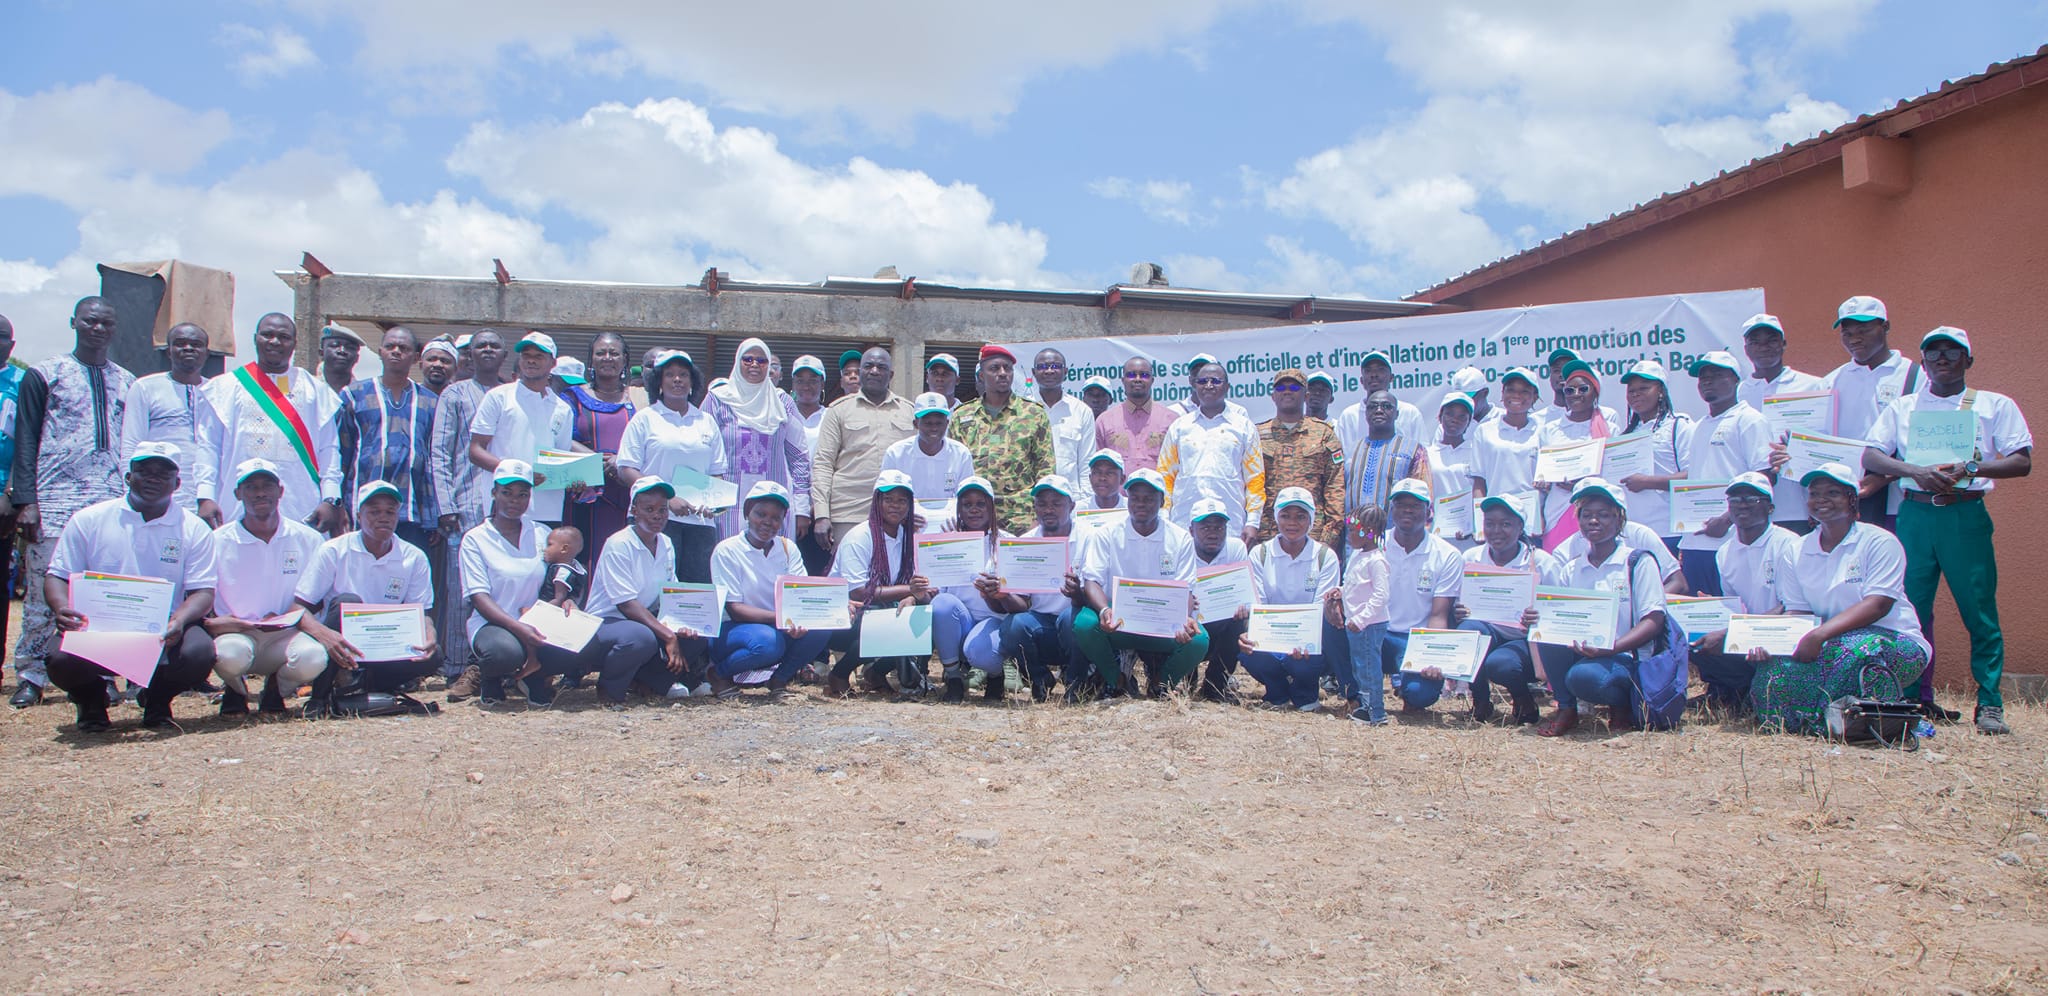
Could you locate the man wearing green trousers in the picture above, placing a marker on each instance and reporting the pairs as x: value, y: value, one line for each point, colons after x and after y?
x: 1143, y: 548
x: 1945, y: 465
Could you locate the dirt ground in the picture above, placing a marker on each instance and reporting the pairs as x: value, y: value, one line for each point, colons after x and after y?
x: 873, y: 846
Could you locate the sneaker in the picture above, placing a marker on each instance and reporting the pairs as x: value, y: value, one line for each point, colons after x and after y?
x: 1991, y: 721
x: 234, y: 704
x: 1309, y: 707
x: 466, y: 684
x: 93, y: 719
x: 703, y: 689
x: 678, y: 691
x: 1364, y: 715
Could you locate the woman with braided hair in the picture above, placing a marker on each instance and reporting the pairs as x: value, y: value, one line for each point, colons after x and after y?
x: 879, y: 565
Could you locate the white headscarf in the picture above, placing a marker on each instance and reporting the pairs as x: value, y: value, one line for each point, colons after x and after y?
x: 755, y: 406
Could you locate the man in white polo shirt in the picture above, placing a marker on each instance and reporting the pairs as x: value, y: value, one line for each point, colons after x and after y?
x: 516, y: 421
x: 1731, y: 440
x: 261, y: 558
x: 1875, y: 376
x: 144, y: 533
x: 1756, y: 553
x: 1144, y: 547
x: 1945, y: 524
x: 370, y: 566
x: 1763, y: 341
x: 1424, y: 573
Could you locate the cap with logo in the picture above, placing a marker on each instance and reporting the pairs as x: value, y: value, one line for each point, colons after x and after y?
x: 893, y: 480
x: 1101, y: 382
x: 1298, y: 497
x: 1107, y: 454
x: 1752, y: 480
x: 1594, y: 487
x: 537, y: 340
x: 152, y: 450
x: 808, y: 362
x: 1831, y: 472
x: 1411, y: 487
x: 371, y: 489
x: 1717, y: 358
x: 1319, y: 377
x: 1468, y: 380
x: 1205, y: 508
x: 975, y: 482
x: 1946, y: 333
x: 570, y: 369
x: 771, y: 490
x: 849, y: 358
x: 256, y: 465
x: 1519, y: 506
x: 930, y: 403
x: 1645, y: 370
x: 652, y: 482
x: 512, y: 472
x: 943, y: 360
x: 1764, y: 321
x: 1146, y: 476
x: 1457, y: 398
x: 1053, y: 482
x: 1860, y: 309
x: 1523, y: 374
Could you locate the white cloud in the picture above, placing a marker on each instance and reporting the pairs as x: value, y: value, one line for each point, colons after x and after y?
x: 882, y: 64
x: 263, y: 55
x: 23, y: 276
x: 68, y: 138
x: 662, y: 180
x: 1568, y: 111
x: 1162, y: 200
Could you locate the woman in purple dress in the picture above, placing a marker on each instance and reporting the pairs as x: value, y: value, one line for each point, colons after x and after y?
x: 764, y: 438
x: 602, y: 409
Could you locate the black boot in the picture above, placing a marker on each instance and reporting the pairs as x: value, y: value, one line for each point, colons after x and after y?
x: 273, y: 697
x: 998, y: 683
x: 956, y: 690
x: 233, y: 703
x: 1216, y: 685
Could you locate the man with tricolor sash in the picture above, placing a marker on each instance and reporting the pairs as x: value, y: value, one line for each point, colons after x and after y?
x: 269, y: 410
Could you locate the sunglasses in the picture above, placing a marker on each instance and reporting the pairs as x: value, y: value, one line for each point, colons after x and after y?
x: 1575, y: 390
x: 754, y: 361
x: 1286, y: 388
x: 1136, y: 376
x: 1208, y: 381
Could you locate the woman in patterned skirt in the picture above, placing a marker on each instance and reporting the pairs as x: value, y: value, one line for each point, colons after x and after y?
x: 1852, y: 577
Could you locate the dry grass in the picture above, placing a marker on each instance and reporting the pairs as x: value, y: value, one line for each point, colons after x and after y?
x: 1150, y: 845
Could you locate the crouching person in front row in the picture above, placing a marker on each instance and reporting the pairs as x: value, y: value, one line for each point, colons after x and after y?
x: 142, y: 534
x: 262, y: 558
x: 370, y: 566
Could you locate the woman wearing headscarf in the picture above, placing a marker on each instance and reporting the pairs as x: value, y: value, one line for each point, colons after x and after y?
x: 674, y: 433
x: 1583, y: 418
x: 602, y: 409
x: 1852, y: 576
x: 764, y: 438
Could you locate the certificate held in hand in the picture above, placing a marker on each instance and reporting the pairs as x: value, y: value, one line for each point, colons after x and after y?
x: 811, y: 603
x: 1695, y: 502
x: 1455, y: 652
x: 1222, y: 590
x: 1778, y: 635
x: 1565, y: 616
x: 562, y: 468
x: 1032, y: 565
x: 949, y: 560
x: 1284, y: 629
x: 1800, y: 411
x: 1934, y: 438
x: 385, y: 632
x: 570, y: 630
x: 1625, y: 456
x: 1454, y: 516
x: 125, y: 619
x: 1497, y: 594
x: 1149, y: 608
x: 1806, y: 451
x: 702, y: 490
x: 1699, y: 615
x: 903, y: 631
x: 696, y: 606
x: 1567, y: 462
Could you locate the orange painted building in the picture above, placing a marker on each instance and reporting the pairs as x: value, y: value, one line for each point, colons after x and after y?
x: 1938, y: 206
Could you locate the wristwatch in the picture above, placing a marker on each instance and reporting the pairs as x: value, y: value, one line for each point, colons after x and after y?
x: 1970, y: 469
x: 331, y: 502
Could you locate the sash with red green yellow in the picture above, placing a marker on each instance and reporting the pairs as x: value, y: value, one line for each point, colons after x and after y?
x: 277, y: 406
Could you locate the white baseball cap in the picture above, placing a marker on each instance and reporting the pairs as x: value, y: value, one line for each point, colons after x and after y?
x: 1646, y: 369
x: 1594, y: 486
x: 808, y: 362
x: 1053, y: 482
x: 371, y: 489
x: 1318, y: 375
x: 1717, y: 358
x: 1861, y: 309
x: 943, y: 360
x: 1520, y: 505
x: 570, y: 369
x: 1752, y: 480
x: 1107, y: 454
x: 1949, y: 332
x: 462, y: 341
x: 538, y: 340
x: 767, y: 489
x: 1206, y: 507
x: 513, y: 472
x: 1523, y: 374
x: 1411, y: 487
x: 1457, y: 398
x: 651, y: 482
x: 1101, y: 382
x: 1833, y: 472
x: 930, y: 403
x: 1765, y: 321
x: 1145, y: 475
x: 1296, y: 496
x: 154, y: 451
x: 256, y: 465
x: 1468, y: 380
x: 891, y: 480
x: 975, y: 482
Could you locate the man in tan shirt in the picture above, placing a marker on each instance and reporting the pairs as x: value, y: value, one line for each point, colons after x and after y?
x: 853, y: 434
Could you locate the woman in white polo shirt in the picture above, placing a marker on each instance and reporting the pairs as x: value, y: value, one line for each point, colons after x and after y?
x: 501, y: 577
x: 625, y: 592
x: 370, y: 566
x: 1504, y: 524
x: 1605, y: 675
x: 674, y: 433
x: 1042, y: 635
x: 879, y: 565
x: 1852, y: 576
x: 1293, y: 569
x: 744, y: 568
x: 967, y: 620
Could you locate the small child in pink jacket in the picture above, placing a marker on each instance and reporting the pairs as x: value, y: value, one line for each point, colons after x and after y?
x: 1364, y: 595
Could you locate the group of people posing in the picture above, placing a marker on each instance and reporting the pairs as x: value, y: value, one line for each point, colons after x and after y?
x: 271, y: 499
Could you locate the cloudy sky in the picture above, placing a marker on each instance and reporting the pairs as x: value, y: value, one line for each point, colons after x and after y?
x: 1360, y: 147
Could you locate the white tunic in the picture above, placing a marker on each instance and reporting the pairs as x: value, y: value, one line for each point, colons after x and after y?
x: 161, y: 410
x: 241, y: 430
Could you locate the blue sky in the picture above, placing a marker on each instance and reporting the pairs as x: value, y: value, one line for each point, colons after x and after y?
x: 1357, y: 147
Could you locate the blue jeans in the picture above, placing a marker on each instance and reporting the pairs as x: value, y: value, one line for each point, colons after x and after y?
x: 743, y: 647
x: 1365, y: 676
x: 950, y: 623
x: 1042, y: 640
x: 1289, y: 681
x: 1507, y: 664
x: 1416, y: 691
x: 1608, y: 681
x: 982, y: 648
